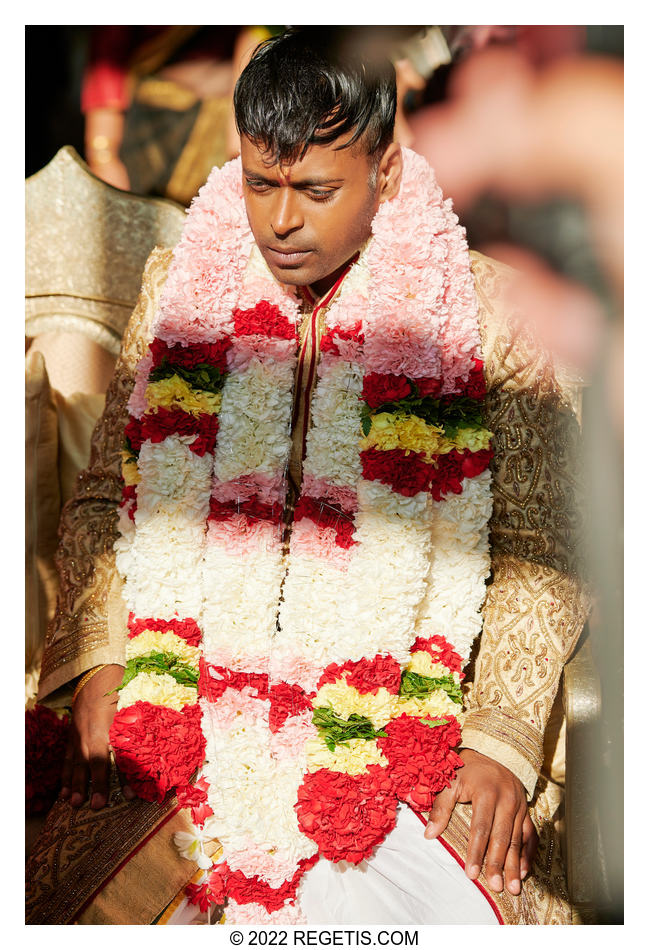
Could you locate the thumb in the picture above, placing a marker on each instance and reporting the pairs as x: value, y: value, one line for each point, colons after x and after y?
x: 440, y: 813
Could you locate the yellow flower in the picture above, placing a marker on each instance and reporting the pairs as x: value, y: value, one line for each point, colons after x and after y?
x: 345, y: 700
x: 167, y: 642
x: 437, y: 704
x: 130, y: 472
x: 420, y: 662
x: 352, y: 758
x: 158, y: 688
x: 393, y: 430
x: 176, y: 393
x: 471, y: 438
x: 409, y: 433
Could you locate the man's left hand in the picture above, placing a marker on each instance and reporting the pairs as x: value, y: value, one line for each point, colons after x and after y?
x: 502, y: 834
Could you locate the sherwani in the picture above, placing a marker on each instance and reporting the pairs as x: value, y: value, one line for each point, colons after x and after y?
x: 533, y: 615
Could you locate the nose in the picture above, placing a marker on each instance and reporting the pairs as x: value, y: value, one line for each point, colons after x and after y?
x: 286, y: 215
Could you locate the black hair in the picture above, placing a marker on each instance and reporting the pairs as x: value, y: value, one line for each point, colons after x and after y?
x: 312, y: 85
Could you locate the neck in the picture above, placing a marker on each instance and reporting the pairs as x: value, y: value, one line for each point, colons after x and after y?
x: 321, y: 287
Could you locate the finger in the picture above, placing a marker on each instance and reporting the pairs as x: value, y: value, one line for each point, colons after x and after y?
x: 98, y: 762
x: 68, y: 765
x: 79, y: 783
x: 440, y: 813
x: 127, y: 791
x: 530, y: 844
x: 481, y: 824
x: 513, y: 860
x: 499, y: 842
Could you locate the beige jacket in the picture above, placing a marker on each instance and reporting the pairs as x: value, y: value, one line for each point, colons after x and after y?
x: 535, y: 607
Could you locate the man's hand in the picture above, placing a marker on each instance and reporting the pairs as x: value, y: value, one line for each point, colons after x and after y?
x: 87, y: 754
x: 501, y: 827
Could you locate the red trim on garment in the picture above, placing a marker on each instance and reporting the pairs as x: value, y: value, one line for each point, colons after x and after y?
x: 119, y: 867
x: 483, y: 890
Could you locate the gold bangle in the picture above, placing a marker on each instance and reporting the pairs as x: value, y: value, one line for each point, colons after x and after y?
x: 102, y: 156
x: 101, y: 142
x: 84, y: 679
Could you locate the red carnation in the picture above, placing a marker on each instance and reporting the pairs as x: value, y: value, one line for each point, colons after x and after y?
x: 252, y: 890
x: 157, y: 425
x: 188, y: 629
x: 286, y: 700
x: 253, y: 509
x: 157, y: 748
x: 46, y: 736
x: 475, y: 386
x: 429, y: 386
x: 328, y: 341
x: 448, y: 475
x: 367, y: 676
x: 475, y: 463
x: 129, y: 500
x: 214, y: 680
x: 327, y: 515
x: 208, y: 430
x: 265, y: 319
x: 421, y: 758
x: 346, y: 815
x: 191, y: 355
x: 440, y: 651
x: 195, y: 797
x: 406, y: 473
x: 379, y: 388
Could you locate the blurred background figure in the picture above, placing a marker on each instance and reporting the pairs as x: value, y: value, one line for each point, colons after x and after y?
x: 524, y: 129
x: 157, y: 103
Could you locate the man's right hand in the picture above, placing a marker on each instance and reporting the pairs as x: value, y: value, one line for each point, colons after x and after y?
x: 87, y: 755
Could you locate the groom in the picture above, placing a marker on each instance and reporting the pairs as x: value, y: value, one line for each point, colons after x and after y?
x: 317, y: 165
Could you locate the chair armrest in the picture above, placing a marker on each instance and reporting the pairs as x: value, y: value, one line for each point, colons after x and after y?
x: 582, y: 703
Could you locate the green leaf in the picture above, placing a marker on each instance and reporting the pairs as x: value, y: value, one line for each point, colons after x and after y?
x: 417, y: 686
x: 434, y: 722
x: 457, y: 414
x: 156, y: 662
x: 202, y: 377
x: 335, y: 730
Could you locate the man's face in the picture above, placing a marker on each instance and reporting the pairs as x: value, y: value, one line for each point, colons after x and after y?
x: 309, y: 218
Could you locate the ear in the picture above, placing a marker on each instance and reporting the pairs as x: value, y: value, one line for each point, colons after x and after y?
x: 389, y: 173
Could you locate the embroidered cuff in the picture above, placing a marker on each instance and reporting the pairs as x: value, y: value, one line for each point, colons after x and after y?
x: 503, y: 737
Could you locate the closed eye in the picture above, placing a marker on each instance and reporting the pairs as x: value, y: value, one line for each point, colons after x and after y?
x: 258, y: 184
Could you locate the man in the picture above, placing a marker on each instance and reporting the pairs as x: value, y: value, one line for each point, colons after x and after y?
x: 291, y: 458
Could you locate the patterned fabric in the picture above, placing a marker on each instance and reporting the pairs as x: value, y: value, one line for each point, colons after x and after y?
x: 532, y: 567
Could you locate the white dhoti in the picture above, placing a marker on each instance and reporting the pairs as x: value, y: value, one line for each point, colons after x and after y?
x: 408, y: 880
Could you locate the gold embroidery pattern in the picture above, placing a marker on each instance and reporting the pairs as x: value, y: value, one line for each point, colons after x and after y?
x: 88, y: 527
x: 80, y: 848
x: 505, y: 726
x: 535, y: 607
x: 537, y: 513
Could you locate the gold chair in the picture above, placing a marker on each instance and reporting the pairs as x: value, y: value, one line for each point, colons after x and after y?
x: 86, y: 247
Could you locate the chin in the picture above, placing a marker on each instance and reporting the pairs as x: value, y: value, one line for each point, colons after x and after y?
x: 297, y: 276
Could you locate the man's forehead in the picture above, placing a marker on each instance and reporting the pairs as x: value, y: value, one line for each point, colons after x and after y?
x: 319, y: 161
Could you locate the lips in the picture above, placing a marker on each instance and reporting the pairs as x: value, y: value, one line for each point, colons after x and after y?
x: 287, y: 257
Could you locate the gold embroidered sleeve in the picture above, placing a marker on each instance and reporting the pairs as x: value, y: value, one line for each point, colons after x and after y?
x: 535, y: 606
x: 89, y: 625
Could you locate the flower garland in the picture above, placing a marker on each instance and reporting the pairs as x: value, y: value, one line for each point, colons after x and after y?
x: 308, y: 689
x: 46, y: 737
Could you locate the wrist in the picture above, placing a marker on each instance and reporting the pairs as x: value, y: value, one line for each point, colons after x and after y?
x: 85, y: 679
x: 101, y: 150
